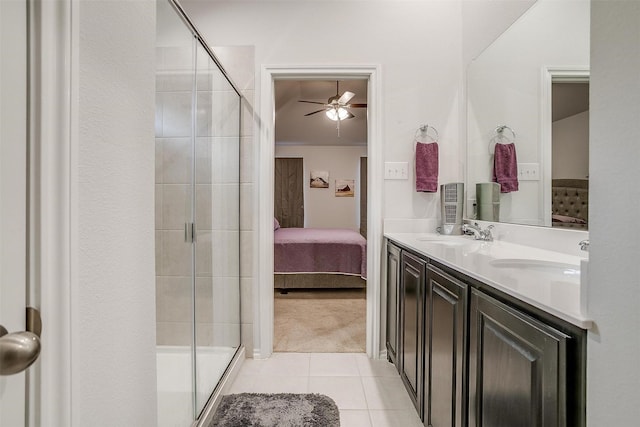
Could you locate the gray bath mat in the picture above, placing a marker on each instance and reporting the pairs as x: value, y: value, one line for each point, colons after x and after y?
x: 276, y: 410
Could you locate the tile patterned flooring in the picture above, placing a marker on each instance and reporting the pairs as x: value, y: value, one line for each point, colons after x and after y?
x: 369, y: 393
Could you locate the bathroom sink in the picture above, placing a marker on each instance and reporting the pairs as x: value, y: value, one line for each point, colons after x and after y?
x: 537, y: 265
x: 444, y: 240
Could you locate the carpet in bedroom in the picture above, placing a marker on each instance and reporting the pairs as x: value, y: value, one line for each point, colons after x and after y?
x: 320, y: 321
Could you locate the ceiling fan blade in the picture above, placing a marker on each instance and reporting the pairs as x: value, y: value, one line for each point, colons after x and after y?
x: 312, y: 102
x: 357, y: 105
x: 346, y: 97
x: 316, y: 112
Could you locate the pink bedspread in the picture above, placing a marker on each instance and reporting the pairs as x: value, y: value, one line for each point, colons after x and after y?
x: 319, y: 250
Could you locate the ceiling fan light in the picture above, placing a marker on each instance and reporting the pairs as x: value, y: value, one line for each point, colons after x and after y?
x: 336, y: 114
x: 332, y: 114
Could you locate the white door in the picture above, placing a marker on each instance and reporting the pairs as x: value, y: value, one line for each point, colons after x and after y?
x: 13, y: 206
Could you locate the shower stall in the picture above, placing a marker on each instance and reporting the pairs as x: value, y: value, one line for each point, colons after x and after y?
x: 197, y: 191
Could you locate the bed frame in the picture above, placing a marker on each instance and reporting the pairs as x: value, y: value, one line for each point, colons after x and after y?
x: 317, y: 280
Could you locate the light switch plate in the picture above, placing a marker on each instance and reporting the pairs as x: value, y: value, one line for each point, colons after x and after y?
x: 528, y: 171
x: 396, y: 170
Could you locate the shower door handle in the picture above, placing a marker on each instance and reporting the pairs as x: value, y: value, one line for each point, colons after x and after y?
x: 18, y: 350
x: 190, y: 234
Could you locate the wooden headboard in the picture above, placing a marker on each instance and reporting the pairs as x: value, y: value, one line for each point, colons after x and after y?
x: 570, y: 203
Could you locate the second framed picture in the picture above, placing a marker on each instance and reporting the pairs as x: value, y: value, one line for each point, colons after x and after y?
x: 345, y: 187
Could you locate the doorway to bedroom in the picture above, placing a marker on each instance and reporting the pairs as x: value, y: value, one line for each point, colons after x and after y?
x: 320, y: 212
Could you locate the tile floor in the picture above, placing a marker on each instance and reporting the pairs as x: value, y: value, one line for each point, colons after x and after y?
x: 368, y: 392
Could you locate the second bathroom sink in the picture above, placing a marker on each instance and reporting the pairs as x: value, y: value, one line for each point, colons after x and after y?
x: 537, y: 265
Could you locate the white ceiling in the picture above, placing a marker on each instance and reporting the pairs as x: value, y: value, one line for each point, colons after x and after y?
x: 293, y: 128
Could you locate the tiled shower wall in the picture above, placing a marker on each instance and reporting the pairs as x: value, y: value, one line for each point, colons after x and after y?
x: 217, y: 294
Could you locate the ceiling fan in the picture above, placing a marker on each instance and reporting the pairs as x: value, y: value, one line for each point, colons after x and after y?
x: 337, y: 107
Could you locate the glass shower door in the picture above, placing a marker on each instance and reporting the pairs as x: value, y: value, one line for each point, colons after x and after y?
x: 197, y: 221
x: 217, y: 219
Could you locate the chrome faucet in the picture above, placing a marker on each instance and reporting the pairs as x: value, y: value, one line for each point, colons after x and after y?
x: 584, y: 245
x: 478, y: 232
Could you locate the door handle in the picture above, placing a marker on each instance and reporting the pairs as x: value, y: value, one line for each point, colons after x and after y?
x: 18, y: 350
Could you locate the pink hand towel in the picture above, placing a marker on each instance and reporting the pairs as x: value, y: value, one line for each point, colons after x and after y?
x: 505, y: 167
x: 427, y: 167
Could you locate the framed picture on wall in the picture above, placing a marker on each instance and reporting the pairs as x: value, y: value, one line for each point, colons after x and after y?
x: 345, y: 187
x: 319, y: 179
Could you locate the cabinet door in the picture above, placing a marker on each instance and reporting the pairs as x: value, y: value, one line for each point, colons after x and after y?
x: 517, y: 368
x: 411, y: 352
x: 393, y: 284
x: 445, y: 394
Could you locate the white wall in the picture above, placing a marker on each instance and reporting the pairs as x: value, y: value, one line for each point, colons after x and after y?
x: 484, y: 20
x: 504, y: 88
x: 613, y: 372
x: 570, y: 147
x: 416, y: 43
x: 113, y: 376
x: 322, y: 209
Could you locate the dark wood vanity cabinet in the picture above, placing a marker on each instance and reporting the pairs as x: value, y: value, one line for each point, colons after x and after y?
x: 430, y: 356
x: 472, y: 356
x: 446, y: 320
x: 411, y: 338
x: 393, y: 285
x: 517, y: 368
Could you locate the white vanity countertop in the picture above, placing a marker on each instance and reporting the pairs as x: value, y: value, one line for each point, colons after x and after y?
x: 544, y: 279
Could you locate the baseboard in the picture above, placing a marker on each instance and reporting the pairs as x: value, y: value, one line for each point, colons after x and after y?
x: 258, y: 354
x: 229, y: 376
x: 383, y: 354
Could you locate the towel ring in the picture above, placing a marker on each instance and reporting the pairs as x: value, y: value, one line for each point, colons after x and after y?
x: 423, y: 132
x: 500, y: 132
x: 499, y: 136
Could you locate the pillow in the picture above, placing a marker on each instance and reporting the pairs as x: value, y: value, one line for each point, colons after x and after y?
x: 276, y: 224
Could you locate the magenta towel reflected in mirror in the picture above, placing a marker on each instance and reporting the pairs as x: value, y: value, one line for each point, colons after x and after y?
x: 505, y: 167
x: 427, y: 167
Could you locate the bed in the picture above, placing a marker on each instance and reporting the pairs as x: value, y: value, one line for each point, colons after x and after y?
x: 319, y: 258
x: 570, y: 203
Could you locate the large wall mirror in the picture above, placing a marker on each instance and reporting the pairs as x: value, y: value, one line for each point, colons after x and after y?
x: 530, y: 88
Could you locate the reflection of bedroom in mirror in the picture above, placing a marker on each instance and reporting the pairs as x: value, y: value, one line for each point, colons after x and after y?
x: 320, y: 246
x: 570, y: 153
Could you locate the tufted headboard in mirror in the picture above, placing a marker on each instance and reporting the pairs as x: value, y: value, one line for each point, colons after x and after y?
x: 570, y: 203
